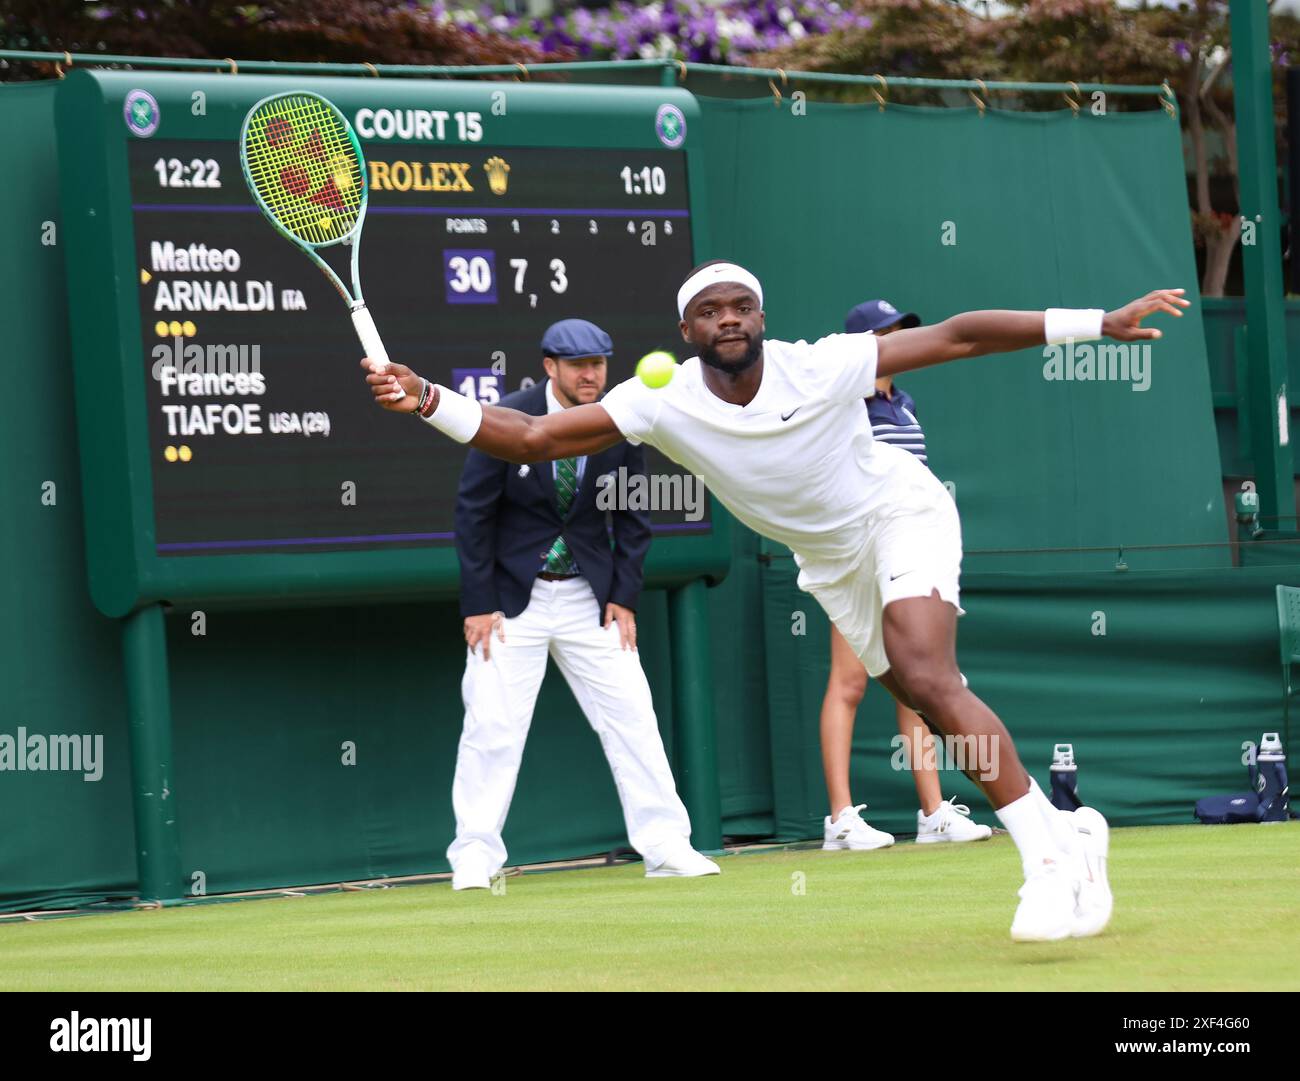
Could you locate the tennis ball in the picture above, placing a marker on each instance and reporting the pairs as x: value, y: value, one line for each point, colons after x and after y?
x: 656, y: 369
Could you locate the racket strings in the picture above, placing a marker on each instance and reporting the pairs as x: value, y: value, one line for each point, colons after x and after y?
x: 302, y: 163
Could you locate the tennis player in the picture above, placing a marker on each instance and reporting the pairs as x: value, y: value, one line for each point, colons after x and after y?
x: 777, y: 431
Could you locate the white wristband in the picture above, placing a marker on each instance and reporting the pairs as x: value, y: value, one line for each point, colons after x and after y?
x: 1081, y: 324
x: 456, y: 415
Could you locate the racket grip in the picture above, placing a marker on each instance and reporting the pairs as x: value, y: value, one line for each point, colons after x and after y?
x: 369, y: 334
x: 364, y: 323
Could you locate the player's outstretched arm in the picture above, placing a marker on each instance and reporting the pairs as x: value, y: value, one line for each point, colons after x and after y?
x: 974, y: 334
x: 503, y: 433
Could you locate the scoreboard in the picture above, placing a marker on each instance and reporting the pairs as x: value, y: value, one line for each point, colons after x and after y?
x: 231, y: 451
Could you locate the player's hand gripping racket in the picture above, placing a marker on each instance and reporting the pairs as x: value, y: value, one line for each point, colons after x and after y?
x: 305, y: 168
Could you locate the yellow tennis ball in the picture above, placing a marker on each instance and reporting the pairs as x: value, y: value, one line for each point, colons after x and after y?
x: 656, y: 369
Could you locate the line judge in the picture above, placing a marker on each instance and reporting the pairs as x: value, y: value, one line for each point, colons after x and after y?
x: 542, y: 573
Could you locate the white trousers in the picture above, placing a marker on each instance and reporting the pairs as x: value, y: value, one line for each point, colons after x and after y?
x: 607, y: 680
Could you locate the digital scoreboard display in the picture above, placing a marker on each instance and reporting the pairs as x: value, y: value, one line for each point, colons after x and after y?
x: 231, y: 448
x: 258, y: 413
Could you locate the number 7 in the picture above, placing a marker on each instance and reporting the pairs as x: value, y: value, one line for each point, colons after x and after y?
x: 520, y: 266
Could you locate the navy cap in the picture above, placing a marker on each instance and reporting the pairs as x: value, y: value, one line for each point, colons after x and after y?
x: 877, y: 315
x: 572, y: 338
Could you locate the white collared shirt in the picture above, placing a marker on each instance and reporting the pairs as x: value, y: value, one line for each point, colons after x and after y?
x: 553, y: 406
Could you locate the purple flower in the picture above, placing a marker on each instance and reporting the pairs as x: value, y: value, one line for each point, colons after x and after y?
x: 626, y: 29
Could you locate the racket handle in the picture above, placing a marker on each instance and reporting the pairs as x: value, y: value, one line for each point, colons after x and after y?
x: 369, y: 335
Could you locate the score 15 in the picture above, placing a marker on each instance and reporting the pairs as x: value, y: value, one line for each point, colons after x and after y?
x: 481, y: 384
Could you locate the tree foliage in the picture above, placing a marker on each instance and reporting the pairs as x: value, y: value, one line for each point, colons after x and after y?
x: 1187, y: 46
x: 378, y: 31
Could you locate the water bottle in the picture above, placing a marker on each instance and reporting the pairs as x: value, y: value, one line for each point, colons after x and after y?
x: 1271, y: 782
x: 1065, y: 778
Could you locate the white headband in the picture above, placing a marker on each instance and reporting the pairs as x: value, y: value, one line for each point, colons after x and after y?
x: 711, y: 275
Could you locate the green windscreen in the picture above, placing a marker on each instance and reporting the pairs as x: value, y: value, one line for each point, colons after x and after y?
x: 941, y: 211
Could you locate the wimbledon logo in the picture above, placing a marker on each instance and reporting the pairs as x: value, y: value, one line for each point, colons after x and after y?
x: 670, y: 126
x: 141, y: 113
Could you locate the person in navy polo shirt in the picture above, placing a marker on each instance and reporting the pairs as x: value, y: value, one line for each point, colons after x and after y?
x: 893, y: 420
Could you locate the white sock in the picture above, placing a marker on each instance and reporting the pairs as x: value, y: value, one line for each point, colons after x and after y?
x: 1030, y: 831
x: 1055, y: 819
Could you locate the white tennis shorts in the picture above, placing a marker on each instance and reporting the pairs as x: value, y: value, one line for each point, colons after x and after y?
x: 912, y: 547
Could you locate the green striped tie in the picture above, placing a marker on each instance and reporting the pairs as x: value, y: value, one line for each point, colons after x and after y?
x: 559, y: 560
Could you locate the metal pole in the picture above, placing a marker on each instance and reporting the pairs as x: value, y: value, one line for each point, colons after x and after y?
x: 153, y: 776
x: 697, y: 753
x: 1261, y: 254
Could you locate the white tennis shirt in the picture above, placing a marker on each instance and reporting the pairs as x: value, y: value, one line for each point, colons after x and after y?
x: 798, y: 463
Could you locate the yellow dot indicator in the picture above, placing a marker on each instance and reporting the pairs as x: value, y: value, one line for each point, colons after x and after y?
x: 175, y: 328
x: 169, y: 453
x: 186, y: 454
x: 189, y: 329
x: 145, y: 276
x: 160, y: 328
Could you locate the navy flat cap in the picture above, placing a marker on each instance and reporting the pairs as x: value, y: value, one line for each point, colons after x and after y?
x: 572, y: 338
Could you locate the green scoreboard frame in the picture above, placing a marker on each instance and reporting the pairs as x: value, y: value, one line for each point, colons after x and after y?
x: 104, y: 120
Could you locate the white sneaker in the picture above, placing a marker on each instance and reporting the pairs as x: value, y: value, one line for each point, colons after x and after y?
x: 471, y: 875
x: 950, y: 822
x: 1094, y: 902
x: 850, y: 831
x: 1047, y: 906
x: 680, y: 861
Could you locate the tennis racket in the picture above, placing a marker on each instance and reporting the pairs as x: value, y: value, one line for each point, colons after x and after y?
x: 304, y: 166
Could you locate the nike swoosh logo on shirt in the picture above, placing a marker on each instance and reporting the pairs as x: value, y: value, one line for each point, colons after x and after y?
x: 787, y: 416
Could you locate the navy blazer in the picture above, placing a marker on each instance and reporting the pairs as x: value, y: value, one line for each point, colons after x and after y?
x: 506, y: 523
